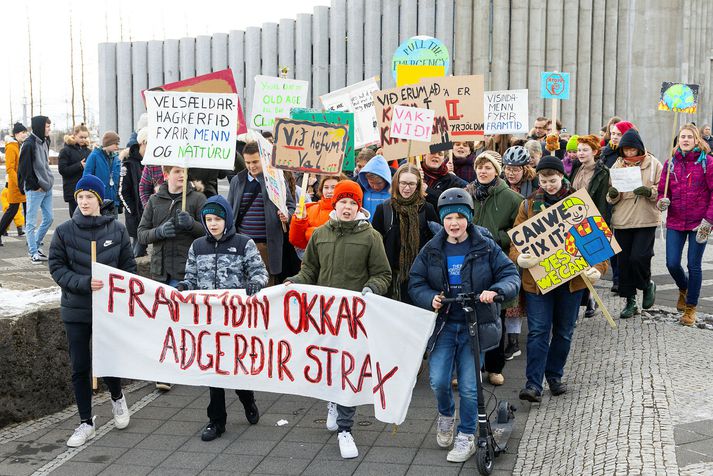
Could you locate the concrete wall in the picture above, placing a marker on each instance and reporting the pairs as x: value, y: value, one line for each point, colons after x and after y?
x: 617, y: 52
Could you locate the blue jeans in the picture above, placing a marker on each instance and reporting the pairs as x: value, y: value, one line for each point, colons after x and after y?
x: 452, y: 349
x: 675, y: 241
x: 548, y: 314
x: 37, y: 201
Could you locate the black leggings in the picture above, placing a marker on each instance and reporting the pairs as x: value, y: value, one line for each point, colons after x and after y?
x: 79, y: 336
x: 9, y: 215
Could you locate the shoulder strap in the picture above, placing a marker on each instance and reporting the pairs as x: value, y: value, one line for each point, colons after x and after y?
x: 388, y: 216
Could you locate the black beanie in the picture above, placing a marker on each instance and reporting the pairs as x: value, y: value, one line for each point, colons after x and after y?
x: 550, y: 162
x: 18, y: 127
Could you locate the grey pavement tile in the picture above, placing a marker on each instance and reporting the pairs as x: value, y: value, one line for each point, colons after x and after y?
x: 309, y: 435
x: 404, y: 440
x: 162, y: 442
x: 195, y: 444
x: 220, y: 473
x: 143, y: 425
x: 330, y: 452
x: 390, y: 454
x: 126, y: 470
x: 685, y: 457
x: 331, y: 468
x: 415, y: 426
x: 246, y: 446
x: 187, y: 390
x: 363, y: 438
x: 173, y: 401
x: 234, y: 463
x: 282, y: 466
x: 20, y: 466
x: 72, y: 469
x: 183, y: 459
x: 423, y: 470
x: 173, y: 427
x: 289, y: 449
x: 271, y: 418
x: 380, y: 469
x: 121, y: 439
x: 704, y: 447
x: 704, y: 427
x: 431, y: 457
x: 155, y: 412
x: 190, y: 414
x: 263, y: 432
x: 98, y: 454
x: 682, y: 436
x: 162, y: 471
x: 142, y: 457
x: 34, y: 436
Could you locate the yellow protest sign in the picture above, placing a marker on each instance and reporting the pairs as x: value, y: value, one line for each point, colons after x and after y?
x: 411, y: 74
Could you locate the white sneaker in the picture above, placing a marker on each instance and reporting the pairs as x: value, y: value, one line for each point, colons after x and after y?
x: 121, y: 413
x: 332, y: 416
x: 463, y: 448
x: 445, y: 427
x: 347, y: 447
x: 82, y: 434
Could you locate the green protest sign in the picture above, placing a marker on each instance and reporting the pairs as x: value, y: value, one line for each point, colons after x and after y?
x: 331, y: 117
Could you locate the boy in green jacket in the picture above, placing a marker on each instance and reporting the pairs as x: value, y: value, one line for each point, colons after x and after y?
x: 345, y: 253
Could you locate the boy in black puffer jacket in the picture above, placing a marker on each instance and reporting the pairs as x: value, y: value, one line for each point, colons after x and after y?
x: 224, y: 259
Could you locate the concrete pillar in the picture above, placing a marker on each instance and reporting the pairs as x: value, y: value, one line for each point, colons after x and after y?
x: 171, y: 70
x: 408, y: 25
x: 124, y: 98
x: 463, y: 26
x: 203, y: 54
x: 389, y: 40
x: 426, y: 17
x: 518, y: 45
x: 596, y: 88
x: 107, y: 87
x: 569, y: 63
x: 610, y: 47
x: 140, y: 77
x: 582, y: 78
x: 501, y: 47
x: 553, y: 46
x: 236, y: 60
x: 355, y: 41
x: 623, y: 57
x: 219, y: 52
x: 320, y: 53
x: 303, y: 49
x: 187, y: 58
x: 155, y: 60
x: 269, y: 49
x: 685, y: 16
x: 536, y: 57
x: 372, y: 37
x: 480, y: 51
x: 338, y: 45
x: 286, y: 46
x: 444, y: 28
x: 252, y: 64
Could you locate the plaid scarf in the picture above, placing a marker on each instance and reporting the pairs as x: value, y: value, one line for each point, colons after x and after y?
x: 431, y: 176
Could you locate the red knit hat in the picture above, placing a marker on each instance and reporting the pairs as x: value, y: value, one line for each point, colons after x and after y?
x: 347, y: 189
x: 624, y: 126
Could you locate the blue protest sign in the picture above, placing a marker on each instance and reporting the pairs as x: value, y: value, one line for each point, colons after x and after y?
x: 554, y: 85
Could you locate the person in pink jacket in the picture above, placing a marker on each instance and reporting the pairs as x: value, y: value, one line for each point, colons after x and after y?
x: 689, y: 174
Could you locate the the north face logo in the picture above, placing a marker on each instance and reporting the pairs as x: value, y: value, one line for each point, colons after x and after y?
x: 108, y: 243
x: 233, y: 249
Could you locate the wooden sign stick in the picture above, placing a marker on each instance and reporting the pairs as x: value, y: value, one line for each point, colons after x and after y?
x: 185, y: 188
x: 554, y: 120
x: 95, y: 384
x: 668, y: 169
x: 301, y: 212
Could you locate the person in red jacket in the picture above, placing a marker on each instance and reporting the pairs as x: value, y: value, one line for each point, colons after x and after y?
x: 302, y: 227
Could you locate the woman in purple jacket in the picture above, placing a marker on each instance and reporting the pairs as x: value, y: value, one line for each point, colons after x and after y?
x: 689, y: 174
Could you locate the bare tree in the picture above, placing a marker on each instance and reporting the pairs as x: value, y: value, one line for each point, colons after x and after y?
x: 81, y: 61
x: 29, y: 62
x: 71, y: 62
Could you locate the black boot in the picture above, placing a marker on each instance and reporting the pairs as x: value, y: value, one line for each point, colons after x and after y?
x: 20, y: 232
x: 513, y: 347
x: 591, y: 307
x: 212, y: 431
x: 247, y: 398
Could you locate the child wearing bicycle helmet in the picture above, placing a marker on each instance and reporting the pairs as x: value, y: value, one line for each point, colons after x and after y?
x: 461, y: 258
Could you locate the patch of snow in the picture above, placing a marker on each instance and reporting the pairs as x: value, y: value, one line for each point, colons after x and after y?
x: 14, y: 303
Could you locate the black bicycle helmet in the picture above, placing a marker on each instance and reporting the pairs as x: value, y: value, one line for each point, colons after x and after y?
x: 455, y: 196
x: 516, y: 155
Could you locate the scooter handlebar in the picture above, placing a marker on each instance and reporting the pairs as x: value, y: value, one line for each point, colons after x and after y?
x: 470, y: 297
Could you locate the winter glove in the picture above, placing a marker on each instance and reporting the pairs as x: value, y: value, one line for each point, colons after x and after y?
x: 527, y: 261
x: 663, y: 204
x: 613, y: 193
x: 593, y: 274
x: 166, y: 230
x: 703, y: 230
x: 181, y: 287
x: 366, y: 290
x: 643, y: 191
x: 252, y: 289
x: 184, y: 221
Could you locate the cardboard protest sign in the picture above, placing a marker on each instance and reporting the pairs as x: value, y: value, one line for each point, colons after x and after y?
x: 679, y: 97
x: 357, y: 98
x: 412, y: 123
x: 554, y: 85
x: 412, y: 74
x: 313, y: 341
x: 274, y: 98
x: 312, y: 147
x: 331, y: 117
x: 506, y: 112
x: 626, y: 179
x: 190, y: 129
x: 421, y: 51
x: 274, y: 178
x: 216, y: 82
x: 569, y: 237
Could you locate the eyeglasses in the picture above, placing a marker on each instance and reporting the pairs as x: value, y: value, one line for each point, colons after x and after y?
x: 408, y: 184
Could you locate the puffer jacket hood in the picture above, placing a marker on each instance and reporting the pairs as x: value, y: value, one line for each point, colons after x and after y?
x: 38, y: 126
x: 229, y: 218
x: 631, y: 138
x: 377, y: 165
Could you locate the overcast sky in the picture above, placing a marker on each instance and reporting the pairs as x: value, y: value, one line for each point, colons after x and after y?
x: 98, y: 21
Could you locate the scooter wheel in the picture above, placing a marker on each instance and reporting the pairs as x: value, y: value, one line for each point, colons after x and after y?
x: 485, y: 459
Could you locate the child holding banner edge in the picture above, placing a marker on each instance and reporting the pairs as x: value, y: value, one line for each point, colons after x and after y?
x: 224, y: 259
x: 464, y: 258
x: 345, y: 253
x: 70, y: 263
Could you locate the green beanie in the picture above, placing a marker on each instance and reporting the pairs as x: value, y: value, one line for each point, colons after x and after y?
x: 572, y: 143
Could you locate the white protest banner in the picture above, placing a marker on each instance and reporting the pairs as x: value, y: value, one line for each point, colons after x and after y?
x: 412, y: 123
x: 190, y: 129
x: 274, y: 178
x: 357, y: 98
x: 273, y: 98
x: 319, y: 342
x: 505, y: 112
x: 626, y: 179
